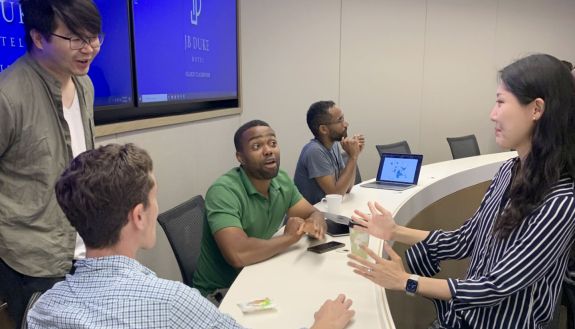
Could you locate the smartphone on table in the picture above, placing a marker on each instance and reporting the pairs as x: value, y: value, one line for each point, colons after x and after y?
x: 325, y: 247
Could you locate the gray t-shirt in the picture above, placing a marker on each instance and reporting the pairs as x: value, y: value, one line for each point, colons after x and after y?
x: 314, y: 161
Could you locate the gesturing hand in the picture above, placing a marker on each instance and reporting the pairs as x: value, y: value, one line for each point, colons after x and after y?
x: 379, y: 223
x: 390, y: 274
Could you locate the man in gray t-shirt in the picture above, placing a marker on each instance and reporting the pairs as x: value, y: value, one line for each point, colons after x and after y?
x: 321, y: 168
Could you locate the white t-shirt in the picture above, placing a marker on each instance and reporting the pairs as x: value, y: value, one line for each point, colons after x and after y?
x: 73, y: 117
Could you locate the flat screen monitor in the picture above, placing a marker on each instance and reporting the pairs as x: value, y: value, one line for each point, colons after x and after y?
x: 185, y: 51
x: 110, y: 71
x: 158, y: 57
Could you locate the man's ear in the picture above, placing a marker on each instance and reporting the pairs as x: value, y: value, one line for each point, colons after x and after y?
x: 323, y: 130
x: 136, y: 216
x: 37, y: 39
x: 538, y: 108
x: 240, y: 157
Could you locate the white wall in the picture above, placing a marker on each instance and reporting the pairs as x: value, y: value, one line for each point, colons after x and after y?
x: 400, y: 69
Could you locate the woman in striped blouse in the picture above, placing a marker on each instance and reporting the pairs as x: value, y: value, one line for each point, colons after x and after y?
x: 520, y: 238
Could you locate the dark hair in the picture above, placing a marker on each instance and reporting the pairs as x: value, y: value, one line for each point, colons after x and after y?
x: 99, y: 189
x: 79, y: 16
x: 243, y: 128
x: 553, y: 141
x: 567, y: 64
x: 318, y: 114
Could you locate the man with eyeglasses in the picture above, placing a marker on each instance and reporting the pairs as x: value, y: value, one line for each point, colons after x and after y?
x: 46, y: 118
x: 321, y: 168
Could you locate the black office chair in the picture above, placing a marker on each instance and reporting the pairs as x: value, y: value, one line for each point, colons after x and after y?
x: 183, y: 226
x: 399, y: 147
x: 568, y: 300
x: 463, y: 147
x: 35, y: 296
x: 357, y: 176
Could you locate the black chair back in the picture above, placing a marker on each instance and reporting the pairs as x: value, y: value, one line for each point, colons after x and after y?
x: 357, y: 172
x: 183, y: 226
x: 399, y: 147
x: 463, y: 147
x: 35, y: 296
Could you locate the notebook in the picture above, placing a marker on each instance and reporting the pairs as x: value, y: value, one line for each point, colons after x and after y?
x: 397, y: 171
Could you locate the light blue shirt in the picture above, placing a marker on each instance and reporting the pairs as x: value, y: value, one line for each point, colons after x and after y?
x: 119, y: 292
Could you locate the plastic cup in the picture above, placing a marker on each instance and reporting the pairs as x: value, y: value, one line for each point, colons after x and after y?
x: 358, y: 238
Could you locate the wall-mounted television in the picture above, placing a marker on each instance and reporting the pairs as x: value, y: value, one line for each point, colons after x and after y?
x: 158, y: 57
x: 111, y: 70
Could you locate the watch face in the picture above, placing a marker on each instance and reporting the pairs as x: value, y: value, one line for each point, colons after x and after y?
x: 411, y: 286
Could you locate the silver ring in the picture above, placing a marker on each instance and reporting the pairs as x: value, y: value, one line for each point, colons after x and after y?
x: 369, y: 269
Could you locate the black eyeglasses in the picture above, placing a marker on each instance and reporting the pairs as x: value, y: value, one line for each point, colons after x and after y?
x: 79, y: 43
x: 338, y: 121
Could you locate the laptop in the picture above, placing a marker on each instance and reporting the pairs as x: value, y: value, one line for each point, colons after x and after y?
x: 397, y: 171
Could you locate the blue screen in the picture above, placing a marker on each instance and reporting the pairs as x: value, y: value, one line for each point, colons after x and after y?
x: 400, y: 170
x: 12, y: 41
x: 110, y: 71
x: 185, y: 50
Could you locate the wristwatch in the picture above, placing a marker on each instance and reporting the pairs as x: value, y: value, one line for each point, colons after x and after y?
x: 411, y: 285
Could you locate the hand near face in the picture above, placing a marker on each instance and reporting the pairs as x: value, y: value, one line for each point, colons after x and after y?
x: 334, y: 314
x: 389, y: 274
x: 351, y: 146
x: 361, y: 139
x: 379, y: 223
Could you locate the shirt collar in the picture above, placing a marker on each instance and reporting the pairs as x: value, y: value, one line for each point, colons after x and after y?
x: 250, y: 188
x: 49, y: 78
x: 53, y: 83
x: 116, y: 262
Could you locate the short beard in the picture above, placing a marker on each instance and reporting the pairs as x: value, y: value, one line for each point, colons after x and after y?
x: 338, y: 137
x: 267, y: 175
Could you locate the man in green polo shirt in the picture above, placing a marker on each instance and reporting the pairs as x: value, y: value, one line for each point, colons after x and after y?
x: 245, y: 208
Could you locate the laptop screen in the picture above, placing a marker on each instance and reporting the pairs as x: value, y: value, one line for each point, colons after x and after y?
x: 399, y: 168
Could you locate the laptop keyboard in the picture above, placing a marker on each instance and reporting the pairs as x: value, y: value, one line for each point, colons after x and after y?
x: 391, y: 184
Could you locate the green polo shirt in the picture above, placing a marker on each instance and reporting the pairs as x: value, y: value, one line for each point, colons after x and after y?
x: 232, y: 201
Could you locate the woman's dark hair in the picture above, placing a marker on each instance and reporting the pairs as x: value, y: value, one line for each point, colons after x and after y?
x: 553, y: 141
x: 80, y: 16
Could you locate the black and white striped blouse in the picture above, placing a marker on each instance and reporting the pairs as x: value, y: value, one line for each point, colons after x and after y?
x: 510, y: 283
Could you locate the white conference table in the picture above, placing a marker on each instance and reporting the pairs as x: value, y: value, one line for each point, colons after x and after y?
x: 298, y: 281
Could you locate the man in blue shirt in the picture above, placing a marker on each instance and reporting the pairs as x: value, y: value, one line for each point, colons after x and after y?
x: 321, y: 168
x: 109, y: 196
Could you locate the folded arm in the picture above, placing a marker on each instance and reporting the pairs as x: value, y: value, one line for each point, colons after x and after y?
x: 240, y: 250
x: 345, y: 182
x: 314, y: 221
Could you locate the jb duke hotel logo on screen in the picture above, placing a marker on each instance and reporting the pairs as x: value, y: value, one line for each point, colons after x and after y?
x: 196, y: 11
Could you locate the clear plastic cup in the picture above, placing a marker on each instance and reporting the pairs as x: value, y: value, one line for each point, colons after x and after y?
x: 358, y: 238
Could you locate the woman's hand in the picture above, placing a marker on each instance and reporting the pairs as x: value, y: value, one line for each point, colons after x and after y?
x: 379, y: 223
x: 389, y: 274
